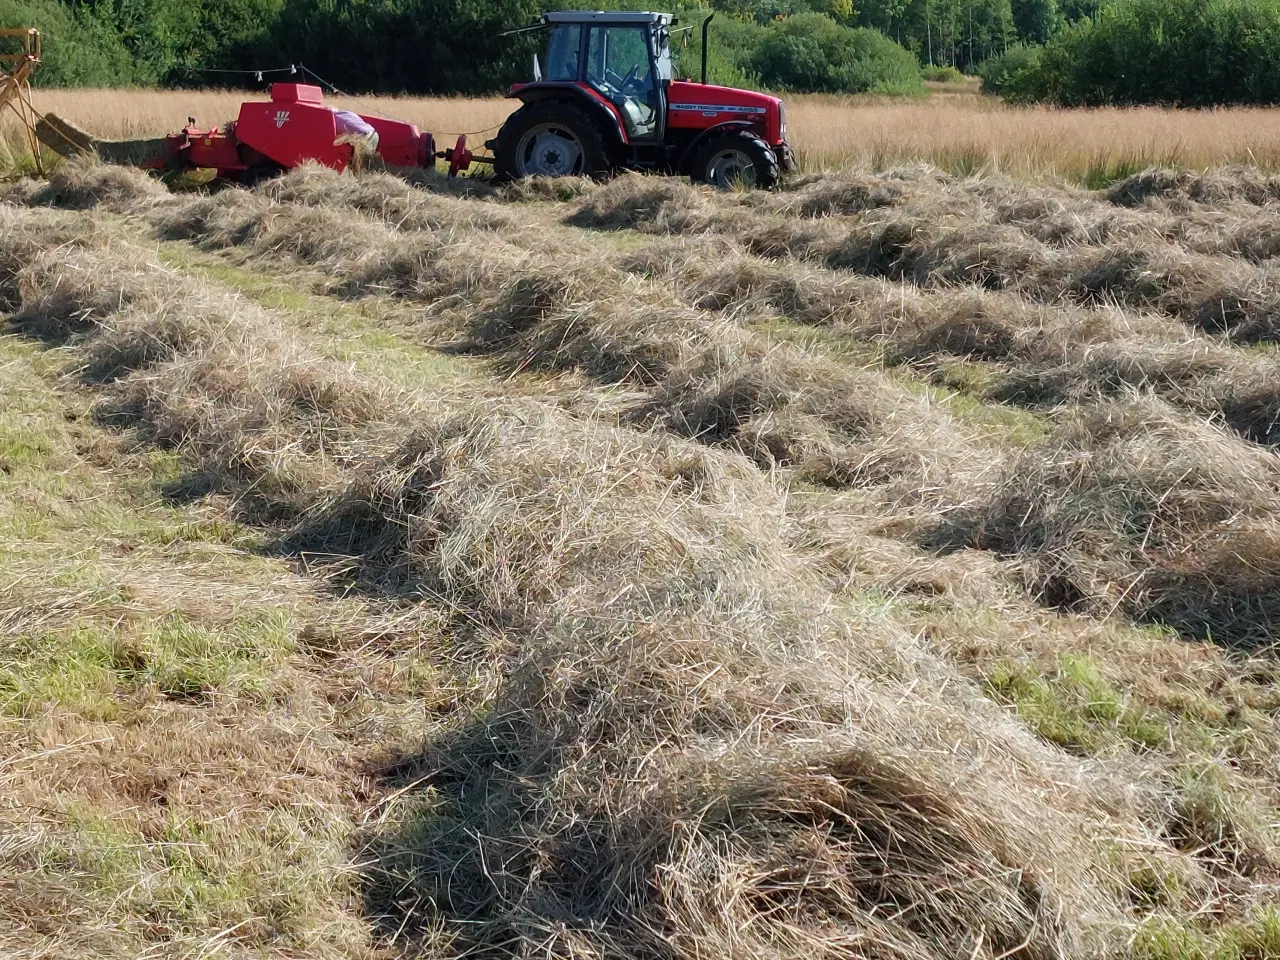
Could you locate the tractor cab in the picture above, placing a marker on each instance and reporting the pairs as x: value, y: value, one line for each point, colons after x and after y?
x: 603, y: 98
x: 624, y: 57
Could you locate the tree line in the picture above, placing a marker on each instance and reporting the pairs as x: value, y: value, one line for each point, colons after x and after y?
x: 1187, y: 53
x: 1076, y: 52
x: 453, y: 46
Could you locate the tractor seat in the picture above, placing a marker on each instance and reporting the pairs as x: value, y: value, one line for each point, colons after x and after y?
x: 641, y: 119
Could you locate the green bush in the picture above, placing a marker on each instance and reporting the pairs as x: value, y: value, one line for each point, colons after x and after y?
x: 731, y: 43
x: 1191, y: 53
x: 811, y: 52
x: 1014, y: 75
x: 938, y: 74
x: 78, y: 50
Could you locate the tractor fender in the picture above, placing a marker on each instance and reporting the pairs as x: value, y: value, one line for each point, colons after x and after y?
x: 605, y: 113
x: 691, y: 149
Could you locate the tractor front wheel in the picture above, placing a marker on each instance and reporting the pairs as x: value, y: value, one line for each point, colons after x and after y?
x: 549, y: 138
x: 736, y: 158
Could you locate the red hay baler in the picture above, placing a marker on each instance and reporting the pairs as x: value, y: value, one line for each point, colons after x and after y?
x: 295, y: 126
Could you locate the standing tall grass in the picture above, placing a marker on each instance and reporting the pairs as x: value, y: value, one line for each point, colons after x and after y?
x: 962, y: 133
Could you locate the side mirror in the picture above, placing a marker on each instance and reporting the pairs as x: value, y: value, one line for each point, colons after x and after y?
x: 537, y: 69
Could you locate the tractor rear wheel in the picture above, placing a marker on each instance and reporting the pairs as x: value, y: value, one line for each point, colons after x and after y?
x: 736, y: 158
x: 550, y: 138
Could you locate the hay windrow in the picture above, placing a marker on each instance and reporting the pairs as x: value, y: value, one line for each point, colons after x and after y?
x: 1218, y: 186
x: 714, y: 590
x: 1134, y: 507
x: 83, y: 183
x: 677, y: 694
x: 754, y: 592
x: 529, y: 313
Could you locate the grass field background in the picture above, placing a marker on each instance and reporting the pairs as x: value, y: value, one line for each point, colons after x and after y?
x: 955, y: 128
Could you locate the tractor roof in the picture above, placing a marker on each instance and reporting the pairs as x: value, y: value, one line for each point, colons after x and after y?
x: 607, y: 16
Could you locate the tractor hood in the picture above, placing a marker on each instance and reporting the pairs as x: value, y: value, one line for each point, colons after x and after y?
x: 703, y: 105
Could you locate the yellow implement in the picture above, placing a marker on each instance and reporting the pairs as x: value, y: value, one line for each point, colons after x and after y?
x: 15, y: 83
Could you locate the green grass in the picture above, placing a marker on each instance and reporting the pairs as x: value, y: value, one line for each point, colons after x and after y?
x: 366, y: 333
x: 1254, y: 938
x: 1013, y: 425
x: 1076, y: 706
x: 145, y: 643
x: 1107, y: 170
x: 180, y: 880
x: 218, y: 715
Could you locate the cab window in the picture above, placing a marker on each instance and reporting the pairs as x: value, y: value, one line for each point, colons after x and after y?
x: 618, y: 61
x: 563, y: 48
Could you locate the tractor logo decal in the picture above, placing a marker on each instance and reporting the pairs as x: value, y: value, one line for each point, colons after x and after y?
x: 282, y: 117
x: 714, y: 108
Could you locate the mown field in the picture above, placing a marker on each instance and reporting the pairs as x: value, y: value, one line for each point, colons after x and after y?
x: 955, y: 128
x: 887, y: 566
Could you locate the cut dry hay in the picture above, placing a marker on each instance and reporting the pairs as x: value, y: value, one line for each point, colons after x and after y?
x: 1134, y: 508
x: 997, y: 241
x: 386, y: 198
x: 610, y: 777
x: 84, y: 183
x: 1222, y: 185
x: 198, y: 369
x: 648, y: 204
x: 691, y: 752
x: 835, y: 426
x: 833, y: 195
x: 529, y: 313
x: 699, y: 728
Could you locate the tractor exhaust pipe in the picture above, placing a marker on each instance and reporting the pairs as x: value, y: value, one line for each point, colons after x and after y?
x: 706, y: 28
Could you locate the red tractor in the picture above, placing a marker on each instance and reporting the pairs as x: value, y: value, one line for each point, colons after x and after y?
x: 604, y: 97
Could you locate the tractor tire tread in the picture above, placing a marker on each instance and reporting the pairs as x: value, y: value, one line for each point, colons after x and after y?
x: 768, y: 169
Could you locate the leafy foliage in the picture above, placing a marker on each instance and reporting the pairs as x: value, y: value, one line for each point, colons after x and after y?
x: 78, y: 50
x: 1036, y: 20
x: 1191, y: 53
x: 1184, y: 52
x: 959, y: 33
x: 454, y: 46
x: 813, y: 52
x: 390, y: 46
x: 1013, y: 74
x: 939, y: 74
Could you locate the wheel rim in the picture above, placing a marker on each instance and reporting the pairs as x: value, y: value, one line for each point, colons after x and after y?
x: 549, y: 150
x: 731, y: 168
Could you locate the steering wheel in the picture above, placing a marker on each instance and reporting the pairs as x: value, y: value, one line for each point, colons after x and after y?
x: 629, y: 79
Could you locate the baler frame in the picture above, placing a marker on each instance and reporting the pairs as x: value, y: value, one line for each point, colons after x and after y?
x: 15, y: 85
